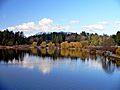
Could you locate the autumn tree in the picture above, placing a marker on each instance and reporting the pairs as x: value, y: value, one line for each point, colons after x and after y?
x: 43, y: 44
x: 65, y: 45
x: 51, y: 45
x: 118, y: 51
x: 108, y: 41
x: 84, y: 44
x: 34, y: 44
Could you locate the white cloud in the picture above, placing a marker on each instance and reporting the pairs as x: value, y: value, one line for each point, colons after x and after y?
x: 75, y: 21
x: 94, y: 27
x: 44, y: 25
x: 58, y: 27
x: 104, y: 22
x: 97, y: 26
x: 24, y: 26
x: 11, y: 28
x: 45, y: 22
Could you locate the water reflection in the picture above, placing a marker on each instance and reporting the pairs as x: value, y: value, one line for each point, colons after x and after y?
x: 11, y: 55
x: 46, y: 59
x: 44, y: 65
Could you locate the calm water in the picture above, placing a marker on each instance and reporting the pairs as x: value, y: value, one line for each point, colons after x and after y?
x: 57, y: 70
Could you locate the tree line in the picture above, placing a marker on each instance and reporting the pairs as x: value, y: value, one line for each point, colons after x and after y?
x: 9, y: 38
x: 74, y: 40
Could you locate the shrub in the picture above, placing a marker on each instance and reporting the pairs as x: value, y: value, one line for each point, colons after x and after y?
x: 71, y: 45
x: 84, y: 44
x: 34, y: 44
x: 65, y: 45
x: 75, y: 45
x: 118, y: 51
x: 51, y: 45
x: 43, y: 44
x: 78, y: 45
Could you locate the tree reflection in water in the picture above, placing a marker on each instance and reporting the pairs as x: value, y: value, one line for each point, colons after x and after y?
x: 10, y: 55
x: 55, y: 56
x: 108, y: 66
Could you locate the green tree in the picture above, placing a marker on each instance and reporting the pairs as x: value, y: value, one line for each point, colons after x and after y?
x: 117, y: 39
x: 94, y: 40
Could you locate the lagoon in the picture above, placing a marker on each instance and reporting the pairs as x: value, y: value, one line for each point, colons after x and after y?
x: 57, y: 70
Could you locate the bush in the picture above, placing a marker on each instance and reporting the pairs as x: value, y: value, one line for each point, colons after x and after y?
x: 118, y: 51
x: 78, y: 45
x: 65, y: 45
x: 84, y: 44
x: 51, y: 45
x: 34, y: 44
x: 75, y: 45
x: 43, y: 44
x: 71, y: 45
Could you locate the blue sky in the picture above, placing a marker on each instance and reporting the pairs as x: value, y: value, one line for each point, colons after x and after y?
x: 32, y: 16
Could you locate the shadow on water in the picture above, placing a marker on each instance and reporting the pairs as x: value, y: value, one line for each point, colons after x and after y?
x: 107, y: 65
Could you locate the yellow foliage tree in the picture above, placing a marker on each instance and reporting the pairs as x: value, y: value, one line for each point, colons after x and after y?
x: 84, y: 44
x: 78, y: 45
x: 43, y: 44
x: 34, y: 44
x: 71, y: 45
x: 75, y: 45
x: 118, y: 51
x: 64, y: 45
x: 51, y: 45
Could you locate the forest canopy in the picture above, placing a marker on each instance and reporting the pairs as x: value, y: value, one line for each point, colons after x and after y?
x: 9, y: 38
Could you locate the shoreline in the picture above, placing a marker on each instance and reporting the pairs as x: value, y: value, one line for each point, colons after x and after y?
x: 28, y: 47
x: 16, y: 47
x: 97, y: 51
